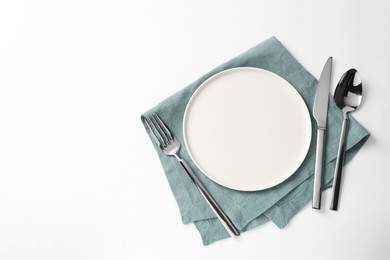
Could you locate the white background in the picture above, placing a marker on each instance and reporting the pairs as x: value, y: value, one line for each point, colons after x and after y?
x: 79, y: 178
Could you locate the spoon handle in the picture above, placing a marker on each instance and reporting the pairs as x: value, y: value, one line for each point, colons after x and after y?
x: 339, y: 164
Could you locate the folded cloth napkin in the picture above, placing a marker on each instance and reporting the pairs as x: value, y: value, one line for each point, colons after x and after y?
x: 251, y: 209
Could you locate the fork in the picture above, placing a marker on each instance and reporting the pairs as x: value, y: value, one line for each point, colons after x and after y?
x: 170, y: 146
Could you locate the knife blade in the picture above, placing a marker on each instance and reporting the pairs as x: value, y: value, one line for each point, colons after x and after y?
x: 320, y: 113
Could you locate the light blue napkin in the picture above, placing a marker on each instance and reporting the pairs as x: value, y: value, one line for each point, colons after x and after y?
x: 251, y: 209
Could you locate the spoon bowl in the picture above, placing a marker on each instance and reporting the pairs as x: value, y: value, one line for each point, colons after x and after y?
x: 347, y: 96
x: 349, y: 90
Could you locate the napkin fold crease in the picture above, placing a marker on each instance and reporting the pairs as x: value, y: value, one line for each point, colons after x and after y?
x: 278, y: 204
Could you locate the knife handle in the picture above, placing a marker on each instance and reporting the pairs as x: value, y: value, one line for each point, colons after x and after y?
x: 318, y: 169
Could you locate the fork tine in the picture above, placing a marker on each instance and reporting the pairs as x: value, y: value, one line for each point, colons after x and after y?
x: 163, y: 126
x: 154, y: 131
x: 159, y: 130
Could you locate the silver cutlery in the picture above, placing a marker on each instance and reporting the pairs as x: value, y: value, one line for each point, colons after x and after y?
x: 320, y: 112
x: 347, y: 96
x: 170, y: 146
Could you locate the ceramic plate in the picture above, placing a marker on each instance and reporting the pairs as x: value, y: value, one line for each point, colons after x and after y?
x: 247, y: 129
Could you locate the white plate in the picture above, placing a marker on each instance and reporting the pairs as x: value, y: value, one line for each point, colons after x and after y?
x: 247, y: 129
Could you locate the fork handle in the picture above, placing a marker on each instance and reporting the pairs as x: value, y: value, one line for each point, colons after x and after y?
x: 225, y: 220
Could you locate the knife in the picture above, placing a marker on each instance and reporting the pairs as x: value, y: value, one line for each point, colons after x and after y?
x: 320, y: 112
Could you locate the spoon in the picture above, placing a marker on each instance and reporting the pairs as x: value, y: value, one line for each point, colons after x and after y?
x: 348, y: 96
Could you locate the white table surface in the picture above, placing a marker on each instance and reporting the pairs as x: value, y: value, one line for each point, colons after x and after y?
x: 79, y: 178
